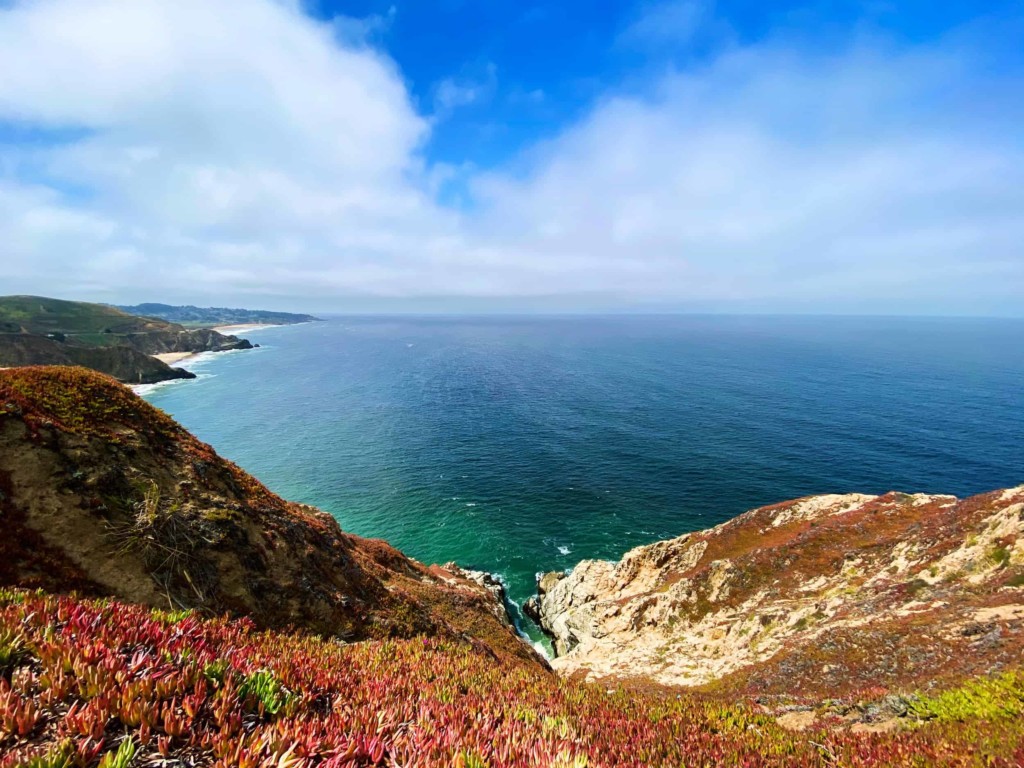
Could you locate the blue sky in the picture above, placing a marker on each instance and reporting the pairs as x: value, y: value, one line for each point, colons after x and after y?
x: 534, y: 67
x: 491, y: 155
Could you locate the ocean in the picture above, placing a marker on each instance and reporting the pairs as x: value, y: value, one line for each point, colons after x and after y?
x: 519, y: 445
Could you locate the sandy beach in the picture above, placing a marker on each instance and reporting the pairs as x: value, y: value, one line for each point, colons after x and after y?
x: 231, y: 330
x: 174, y: 357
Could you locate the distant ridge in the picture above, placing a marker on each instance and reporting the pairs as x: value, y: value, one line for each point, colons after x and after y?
x: 190, y: 315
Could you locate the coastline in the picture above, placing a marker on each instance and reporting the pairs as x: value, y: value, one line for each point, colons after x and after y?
x: 171, y: 358
x: 174, y: 358
x: 231, y: 330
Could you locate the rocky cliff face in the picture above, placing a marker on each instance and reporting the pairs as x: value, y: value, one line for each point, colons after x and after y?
x: 122, y: 362
x: 816, y: 597
x: 174, y: 338
x: 103, y: 494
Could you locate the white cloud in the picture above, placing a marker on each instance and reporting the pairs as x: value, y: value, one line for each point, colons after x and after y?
x: 452, y: 93
x: 765, y: 178
x: 237, y: 132
x: 240, y: 148
x: 360, y: 31
x: 670, y: 22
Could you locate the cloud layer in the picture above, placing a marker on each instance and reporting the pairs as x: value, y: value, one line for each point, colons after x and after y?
x: 187, y: 149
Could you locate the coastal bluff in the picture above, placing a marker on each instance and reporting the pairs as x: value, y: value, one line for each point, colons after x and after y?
x: 825, y: 596
x: 105, y: 495
x: 35, y: 330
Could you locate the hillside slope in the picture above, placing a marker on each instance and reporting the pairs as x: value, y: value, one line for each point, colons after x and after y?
x: 104, y: 494
x: 41, y: 331
x: 816, y: 598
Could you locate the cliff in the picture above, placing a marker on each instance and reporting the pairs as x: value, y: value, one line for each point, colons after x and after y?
x: 42, y: 331
x: 158, y: 606
x: 104, y: 494
x: 122, y: 362
x: 817, y: 598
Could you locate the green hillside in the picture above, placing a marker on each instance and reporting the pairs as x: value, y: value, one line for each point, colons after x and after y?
x: 42, y: 316
x: 35, y: 330
x: 192, y: 316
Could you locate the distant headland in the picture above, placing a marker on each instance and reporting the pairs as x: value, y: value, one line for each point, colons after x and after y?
x: 136, y: 345
x: 215, y: 317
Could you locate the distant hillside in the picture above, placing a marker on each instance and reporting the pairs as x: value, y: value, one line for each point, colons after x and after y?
x: 41, y: 316
x: 214, y: 316
x: 40, y: 331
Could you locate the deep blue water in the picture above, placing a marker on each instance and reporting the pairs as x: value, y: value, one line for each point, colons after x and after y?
x: 520, y: 445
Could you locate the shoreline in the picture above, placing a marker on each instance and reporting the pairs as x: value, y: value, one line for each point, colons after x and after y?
x: 170, y: 358
x: 173, y: 358
x: 231, y: 330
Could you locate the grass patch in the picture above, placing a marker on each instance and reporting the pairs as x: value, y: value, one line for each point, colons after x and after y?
x: 999, y: 556
x: 984, y: 699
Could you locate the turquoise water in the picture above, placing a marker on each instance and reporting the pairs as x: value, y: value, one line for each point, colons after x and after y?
x: 520, y: 445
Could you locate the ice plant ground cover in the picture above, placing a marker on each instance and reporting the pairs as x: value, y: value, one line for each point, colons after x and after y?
x: 87, y: 683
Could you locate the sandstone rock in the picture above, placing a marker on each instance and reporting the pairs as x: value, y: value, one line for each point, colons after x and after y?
x: 824, y: 593
x: 531, y: 609
x: 548, y: 581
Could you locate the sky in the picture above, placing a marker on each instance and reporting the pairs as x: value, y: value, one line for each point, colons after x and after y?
x: 496, y: 155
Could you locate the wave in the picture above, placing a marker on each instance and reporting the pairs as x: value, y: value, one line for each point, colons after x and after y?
x: 202, y: 358
x: 142, y: 390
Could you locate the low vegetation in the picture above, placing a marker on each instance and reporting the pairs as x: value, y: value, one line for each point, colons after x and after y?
x: 102, y: 683
x: 193, y: 618
x: 1001, y: 696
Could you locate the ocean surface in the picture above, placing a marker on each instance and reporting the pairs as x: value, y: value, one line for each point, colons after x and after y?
x: 521, y: 445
